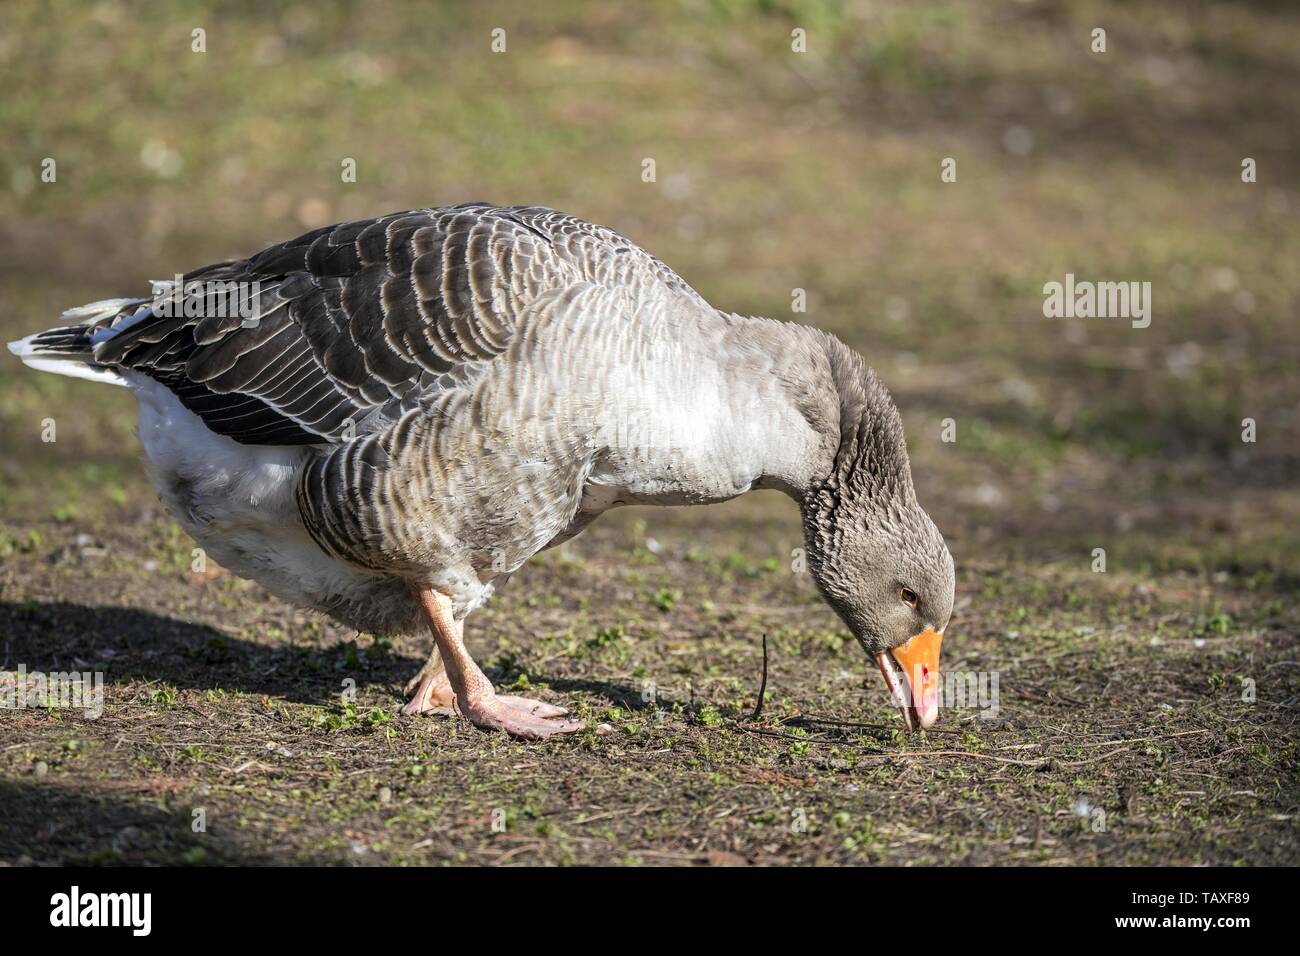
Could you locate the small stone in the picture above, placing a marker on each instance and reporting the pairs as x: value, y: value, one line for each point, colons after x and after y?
x: 42, y: 768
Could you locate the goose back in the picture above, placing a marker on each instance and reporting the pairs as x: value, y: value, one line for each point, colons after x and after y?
x: 338, y: 332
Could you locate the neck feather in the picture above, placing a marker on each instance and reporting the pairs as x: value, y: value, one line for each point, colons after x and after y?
x: 855, y: 449
x: 870, y: 462
x: 863, y: 462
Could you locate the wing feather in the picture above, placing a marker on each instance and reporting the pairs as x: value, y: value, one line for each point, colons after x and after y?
x: 322, y: 337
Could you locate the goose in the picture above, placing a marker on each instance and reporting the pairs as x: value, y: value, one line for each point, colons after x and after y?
x: 383, y: 420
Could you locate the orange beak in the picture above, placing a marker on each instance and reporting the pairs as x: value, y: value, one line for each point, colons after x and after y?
x: 919, y: 660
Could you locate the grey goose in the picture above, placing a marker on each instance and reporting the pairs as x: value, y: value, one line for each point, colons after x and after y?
x: 382, y: 420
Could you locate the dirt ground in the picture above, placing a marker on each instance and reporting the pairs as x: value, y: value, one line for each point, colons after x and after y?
x: 1144, y: 714
x: 1120, y: 734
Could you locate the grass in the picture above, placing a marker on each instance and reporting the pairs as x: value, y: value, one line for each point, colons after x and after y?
x: 1146, y: 715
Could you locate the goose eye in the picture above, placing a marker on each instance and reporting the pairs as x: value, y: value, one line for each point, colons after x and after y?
x: 908, y: 597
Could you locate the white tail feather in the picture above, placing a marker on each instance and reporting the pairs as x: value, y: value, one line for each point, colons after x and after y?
x: 72, y: 365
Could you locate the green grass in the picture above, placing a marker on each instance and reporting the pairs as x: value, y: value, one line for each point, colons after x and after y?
x: 775, y: 171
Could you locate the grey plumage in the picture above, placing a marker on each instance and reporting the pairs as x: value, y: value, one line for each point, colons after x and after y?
x: 469, y: 385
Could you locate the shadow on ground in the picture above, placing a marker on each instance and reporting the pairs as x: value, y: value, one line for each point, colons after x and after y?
x: 131, y: 645
x: 140, y: 825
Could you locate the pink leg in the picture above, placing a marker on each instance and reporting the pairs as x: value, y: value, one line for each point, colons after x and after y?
x: 429, y: 692
x: 473, y: 694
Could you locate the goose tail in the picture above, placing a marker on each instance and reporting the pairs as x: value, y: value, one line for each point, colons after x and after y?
x: 70, y: 349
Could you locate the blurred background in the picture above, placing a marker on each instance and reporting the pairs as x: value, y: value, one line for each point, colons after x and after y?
x: 775, y: 170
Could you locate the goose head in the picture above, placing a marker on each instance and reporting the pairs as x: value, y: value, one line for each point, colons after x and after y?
x: 889, y: 577
x: 877, y: 558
